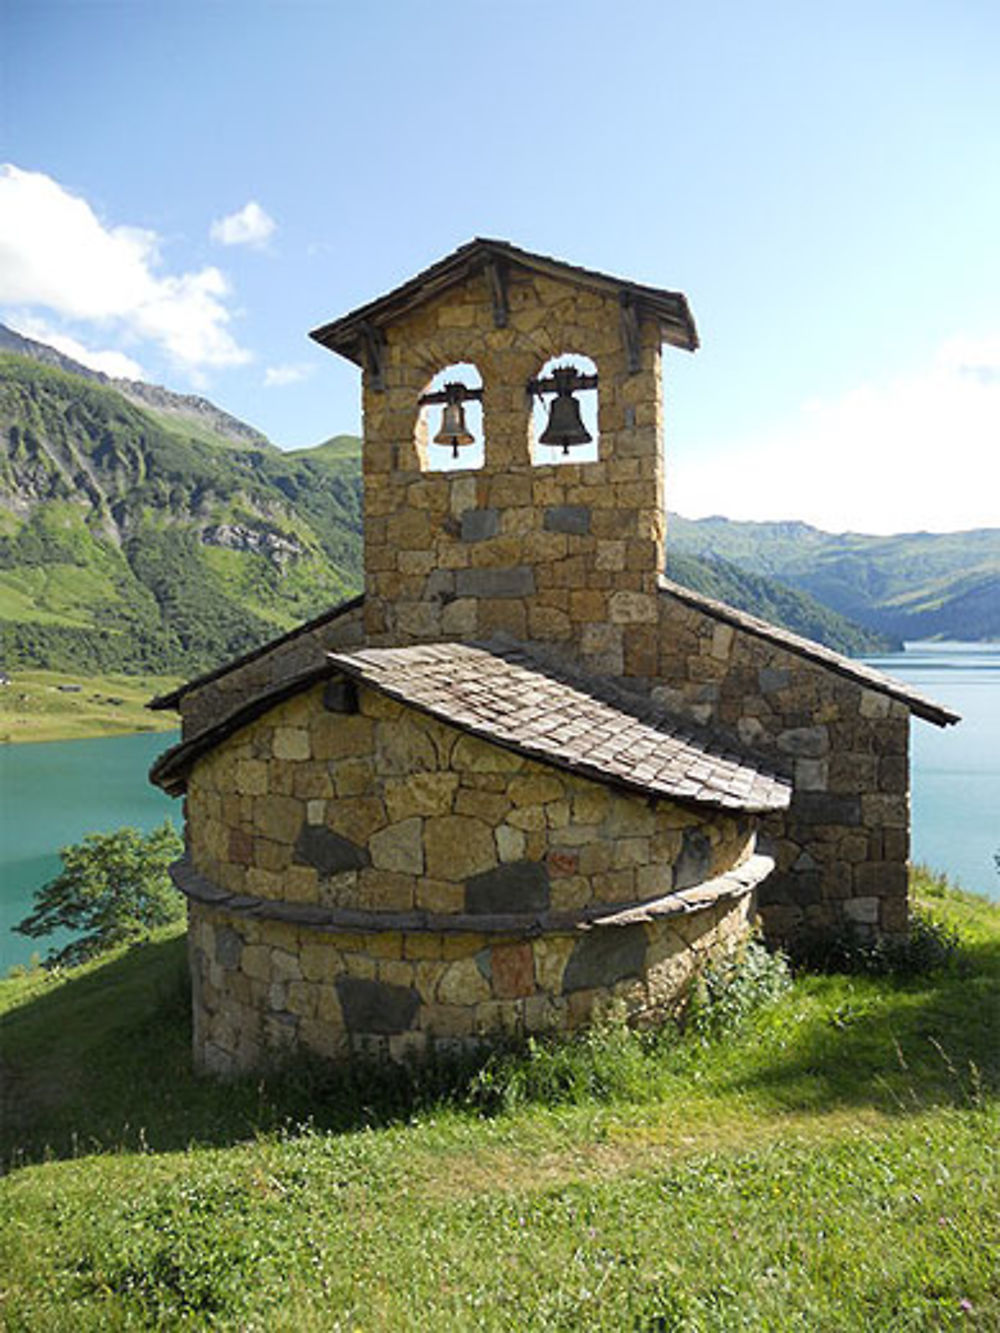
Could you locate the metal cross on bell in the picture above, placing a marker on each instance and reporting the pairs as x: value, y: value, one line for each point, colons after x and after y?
x: 565, y: 425
x: 453, y: 430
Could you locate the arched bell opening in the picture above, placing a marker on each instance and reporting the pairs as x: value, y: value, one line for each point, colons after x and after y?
x: 449, y: 429
x: 564, y: 411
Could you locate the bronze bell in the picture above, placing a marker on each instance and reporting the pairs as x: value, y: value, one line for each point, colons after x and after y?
x: 565, y: 423
x: 453, y: 430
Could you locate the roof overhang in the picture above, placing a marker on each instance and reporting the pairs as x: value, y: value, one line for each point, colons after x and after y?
x: 350, y: 335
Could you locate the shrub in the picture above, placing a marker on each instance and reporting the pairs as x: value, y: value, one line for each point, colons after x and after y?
x: 733, y: 987
x: 929, y: 946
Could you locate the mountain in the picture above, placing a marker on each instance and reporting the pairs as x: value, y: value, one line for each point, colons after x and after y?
x: 917, y: 585
x: 146, y: 530
x: 159, y: 540
x: 188, y: 411
x: 776, y: 602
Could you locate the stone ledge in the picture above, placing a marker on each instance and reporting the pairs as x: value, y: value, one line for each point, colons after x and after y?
x: 737, y: 883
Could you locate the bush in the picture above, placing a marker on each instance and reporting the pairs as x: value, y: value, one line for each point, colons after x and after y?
x: 929, y: 946
x: 732, y: 988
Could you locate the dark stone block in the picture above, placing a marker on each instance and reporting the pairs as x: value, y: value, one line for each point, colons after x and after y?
x: 228, y: 947
x: 340, y: 695
x: 328, y: 852
x: 567, y: 518
x: 521, y: 886
x: 376, y: 1006
x: 694, y: 865
x: 479, y: 524
x: 605, y: 955
x: 820, y: 807
x: 514, y: 581
x: 772, y: 679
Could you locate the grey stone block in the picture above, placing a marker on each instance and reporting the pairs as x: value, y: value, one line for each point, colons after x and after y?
x: 605, y: 955
x: 694, y: 864
x: 327, y: 851
x: 228, y: 947
x: 519, y: 886
x: 567, y: 518
x: 514, y: 581
x: 440, y: 585
x: 805, y: 742
x: 815, y: 807
x: 771, y: 679
x: 480, y: 524
x: 376, y: 1006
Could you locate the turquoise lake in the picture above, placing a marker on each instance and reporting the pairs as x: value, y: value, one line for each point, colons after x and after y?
x: 52, y: 794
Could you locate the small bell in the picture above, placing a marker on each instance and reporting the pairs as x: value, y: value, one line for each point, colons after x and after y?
x: 453, y: 430
x: 565, y: 423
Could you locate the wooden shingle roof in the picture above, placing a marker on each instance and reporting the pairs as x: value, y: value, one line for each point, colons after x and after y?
x: 347, y: 335
x: 506, y: 696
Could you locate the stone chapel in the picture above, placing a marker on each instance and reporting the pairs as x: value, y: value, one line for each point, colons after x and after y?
x: 523, y: 774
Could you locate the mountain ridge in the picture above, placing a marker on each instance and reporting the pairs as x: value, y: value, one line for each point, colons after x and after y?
x: 190, y: 407
x: 139, y: 538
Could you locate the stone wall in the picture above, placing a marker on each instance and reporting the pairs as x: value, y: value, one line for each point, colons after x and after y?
x: 264, y: 988
x: 842, y: 848
x: 507, y: 867
x: 551, y: 553
x: 390, y: 810
x: 205, y: 705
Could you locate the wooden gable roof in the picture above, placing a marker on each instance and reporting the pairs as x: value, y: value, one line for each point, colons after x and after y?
x: 351, y: 334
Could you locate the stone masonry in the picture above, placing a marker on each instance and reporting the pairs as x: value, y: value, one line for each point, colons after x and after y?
x: 370, y: 875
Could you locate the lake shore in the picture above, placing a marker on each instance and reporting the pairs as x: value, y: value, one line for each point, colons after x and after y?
x: 63, y: 706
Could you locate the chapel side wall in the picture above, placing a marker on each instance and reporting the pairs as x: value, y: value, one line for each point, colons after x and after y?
x: 205, y: 705
x: 841, y: 850
x: 566, y: 555
x: 388, y: 809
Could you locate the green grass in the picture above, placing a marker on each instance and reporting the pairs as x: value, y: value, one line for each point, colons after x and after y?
x: 832, y: 1167
x: 34, y: 708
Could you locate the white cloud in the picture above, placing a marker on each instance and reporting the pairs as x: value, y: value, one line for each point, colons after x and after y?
x: 250, y: 226
x: 276, y: 377
x: 918, y: 452
x: 109, y: 362
x: 55, y: 253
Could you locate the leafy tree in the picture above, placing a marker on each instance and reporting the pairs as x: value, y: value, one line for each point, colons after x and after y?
x: 113, y: 888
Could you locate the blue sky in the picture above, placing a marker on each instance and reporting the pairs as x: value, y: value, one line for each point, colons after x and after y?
x: 194, y: 187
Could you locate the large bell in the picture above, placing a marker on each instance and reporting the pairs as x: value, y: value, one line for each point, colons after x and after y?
x: 453, y: 430
x: 565, y: 426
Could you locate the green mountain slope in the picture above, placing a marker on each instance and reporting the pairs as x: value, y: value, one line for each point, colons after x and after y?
x: 776, y: 602
x: 134, y: 540
x: 911, y: 585
x: 143, y: 530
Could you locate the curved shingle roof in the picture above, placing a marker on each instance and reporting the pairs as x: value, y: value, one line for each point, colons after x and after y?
x: 507, y: 696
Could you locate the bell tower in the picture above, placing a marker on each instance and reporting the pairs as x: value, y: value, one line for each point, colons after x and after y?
x: 523, y: 540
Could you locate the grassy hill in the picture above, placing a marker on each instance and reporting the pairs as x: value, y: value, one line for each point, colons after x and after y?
x: 833, y: 1165
x: 138, y: 540
x: 913, y: 585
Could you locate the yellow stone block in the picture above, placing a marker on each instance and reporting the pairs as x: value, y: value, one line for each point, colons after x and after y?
x: 535, y: 789
x: 356, y: 817
x: 457, y: 846
x: 462, y: 983
x: 290, y: 743
x: 336, y: 736
x: 420, y: 794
